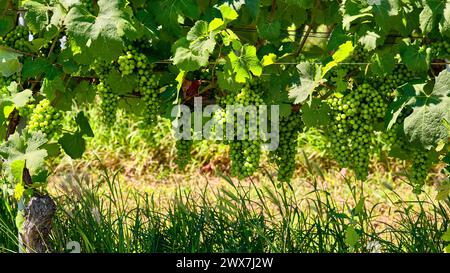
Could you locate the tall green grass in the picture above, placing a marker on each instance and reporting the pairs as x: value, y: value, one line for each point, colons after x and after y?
x: 240, y: 217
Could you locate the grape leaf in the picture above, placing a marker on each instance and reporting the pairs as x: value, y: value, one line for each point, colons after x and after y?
x: 37, y: 67
x: 202, y: 41
x: 429, y: 14
x: 121, y: 84
x: 406, y: 97
x: 73, y: 144
x: 315, y: 113
x: 300, y: 3
x: 228, y: 13
x: 444, y: 24
x: 84, y: 92
x: 83, y: 124
x: 36, y: 16
x: 187, y: 60
x: 245, y: 64
x: 351, y: 236
x: 101, y: 36
x: 370, y: 40
x: 310, y: 79
x: 383, y: 61
x: 9, y: 62
x: 350, y: 17
x: 226, y: 80
x: 17, y: 167
x: 7, y: 17
x: 425, y: 125
x: 269, y: 30
x: 385, y: 13
x: 168, y: 12
x: 26, y: 147
x: 416, y: 58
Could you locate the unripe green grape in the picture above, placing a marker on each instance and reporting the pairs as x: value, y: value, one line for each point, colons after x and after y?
x: 245, y: 154
x: 44, y: 118
x: 354, y: 113
x: 148, y: 86
x: 421, y: 165
x: 284, y: 155
x: 108, y: 104
x: 183, y: 147
x: 17, y: 39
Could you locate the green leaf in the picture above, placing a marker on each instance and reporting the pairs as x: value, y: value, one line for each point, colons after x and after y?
x: 186, y: 60
x: 83, y: 124
x: 202, y: 42
x: 36, y: 16
x: 344, y: 51
x: 427, y: 17
x: 315, y: 113
x: 26, y: 147
x: 310, y: 79
x: 405, y: 98
x: 349, y: 19
x: 269, y: 30
x: 446, y: 236
x: 228, y: 13
x: 444, y: 24
x: 370, y: 40
x: 20, y: 220
x: 416, y: 58
x: 17, y: 167
x: 121, y: 84
x: 383, y: 61
x: 268, y: 59
x: 100, y: 36
x: 245, y: 64
x: 386, y: 13
x: 351, y: 236
x: 168, y: 12
x: 9, y: 62
x: 84, y: 92
x: 22, y: 98
x: 226, y: 80
x: 36, y: 67
x: 7, y: 17
x: 19, y: 189
x: 73, y: 144
x: 425, y: 124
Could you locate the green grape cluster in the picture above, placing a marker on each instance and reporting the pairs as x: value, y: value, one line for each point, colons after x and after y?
x: 183, y: 147
x: 148, y: 86
x: 142, y: 44
x: 245, y: 154
x: 421, y: 166
x: 389, y: 83
x: 45, y: 119
x: 108, y: 105
x: 284, y: 155
x: 132, y: 60
x: 351, y: 132
x: 440, y: 49
x: 26, y: 110
x: 354, y: 63
x: 422, y: 160
x: 101, y: 68
x: 17, y: 39
x: 360, y: 55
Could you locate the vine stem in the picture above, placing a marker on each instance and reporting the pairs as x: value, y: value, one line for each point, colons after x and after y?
x: 303, y: 41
